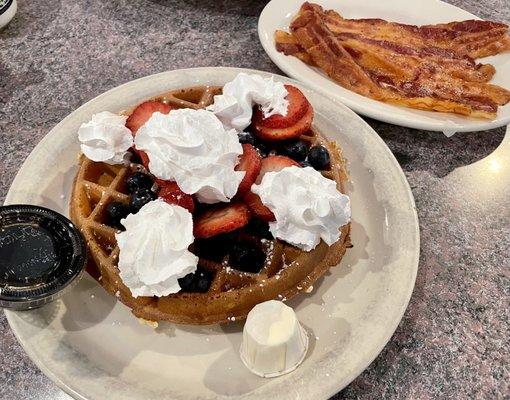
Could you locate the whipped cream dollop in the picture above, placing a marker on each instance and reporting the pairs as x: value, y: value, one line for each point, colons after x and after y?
x: 307, y: 206
x: 154, y: 249
x: 193, y: 148
x: 105, y: 138
x: 234, y: 106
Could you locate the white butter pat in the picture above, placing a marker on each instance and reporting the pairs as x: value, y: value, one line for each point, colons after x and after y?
x: 274, y: 342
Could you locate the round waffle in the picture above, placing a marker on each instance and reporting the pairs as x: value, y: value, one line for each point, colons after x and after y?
x: 233, y: 293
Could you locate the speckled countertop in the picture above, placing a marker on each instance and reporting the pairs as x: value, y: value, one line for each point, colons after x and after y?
x: 453, y: 342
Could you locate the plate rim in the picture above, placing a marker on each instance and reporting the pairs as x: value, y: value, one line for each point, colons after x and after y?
x: 365, y: 109
x: 327, y: 388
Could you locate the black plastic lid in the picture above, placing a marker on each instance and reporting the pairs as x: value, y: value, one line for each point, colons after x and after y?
x: 41, y: 254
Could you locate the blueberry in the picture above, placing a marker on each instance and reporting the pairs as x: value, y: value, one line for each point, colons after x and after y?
x: 318, y: 157
x: 115, y: 212
x: 197, y: 282
x: 305, y: 164
x: 247, y: 257
x: 187, y: 283
x: 203, y: 280
x: 262, y: 148
x: 259, y: 228
x: 214, y: 248
x: 296, y: 150
x: 141, y: 198
x: 246, y: 137
x: 138, y: 181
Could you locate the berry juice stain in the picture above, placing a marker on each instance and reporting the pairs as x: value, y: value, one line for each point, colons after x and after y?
x: 28, y: 254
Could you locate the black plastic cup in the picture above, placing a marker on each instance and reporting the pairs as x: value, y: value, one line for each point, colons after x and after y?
x: 42, y: 254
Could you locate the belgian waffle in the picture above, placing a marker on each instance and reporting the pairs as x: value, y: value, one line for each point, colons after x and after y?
x: 286, y: 272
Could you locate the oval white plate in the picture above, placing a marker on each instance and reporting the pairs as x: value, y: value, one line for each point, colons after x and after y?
x: 93, y: 348
x: 278, y: 13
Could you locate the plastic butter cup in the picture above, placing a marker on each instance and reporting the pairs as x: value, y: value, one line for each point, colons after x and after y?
x: 274, y: 342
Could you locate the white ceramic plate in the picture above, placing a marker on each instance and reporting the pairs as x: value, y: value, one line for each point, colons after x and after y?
x: 278, y: 13
x: 92, y: 347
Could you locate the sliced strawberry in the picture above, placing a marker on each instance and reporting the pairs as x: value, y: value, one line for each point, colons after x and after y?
x: 221, y: 220
x: 160, y: 182
x: 268, y: 164
x: 172, y: 194
x: 290, y: 132
x: 140, y: 116
x: 298, y: 105
x: 250, y: 162
x: 258, y: 209
x: 143, y: 112
x: 274, y: 164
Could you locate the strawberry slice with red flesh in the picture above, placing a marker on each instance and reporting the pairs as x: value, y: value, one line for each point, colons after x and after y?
x: 221, y: 219
x: 140, y: 116
x: 291, y: 132
x: 274, y: 164
x: 258, y: 209
x: 249, y: 162
x: 143, y: 112
x: 172, y: 194
x: 161, y: 182
x: 269, y: 164
x: 298, y: 105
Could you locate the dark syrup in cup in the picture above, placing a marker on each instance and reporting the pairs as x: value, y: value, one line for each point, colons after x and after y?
x: 41, y: 254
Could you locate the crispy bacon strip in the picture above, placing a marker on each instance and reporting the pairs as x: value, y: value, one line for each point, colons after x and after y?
x: 287, y: 44
x: 328, y: 54
x: 429, y: 67
x: 404, y: 61
x: 473, y: 38
x: 359, y: 47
